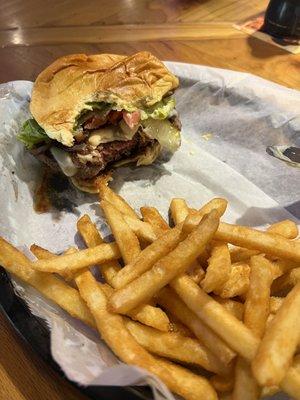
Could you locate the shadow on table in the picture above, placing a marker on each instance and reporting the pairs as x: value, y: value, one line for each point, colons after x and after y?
x: 261, y: 49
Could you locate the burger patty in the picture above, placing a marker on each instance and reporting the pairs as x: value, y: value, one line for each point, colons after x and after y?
x: 106, y: 154
x: 98, y: 158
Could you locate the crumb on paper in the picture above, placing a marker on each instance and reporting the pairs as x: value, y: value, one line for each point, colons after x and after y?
x: 207, y: 136
x: 192, y: 152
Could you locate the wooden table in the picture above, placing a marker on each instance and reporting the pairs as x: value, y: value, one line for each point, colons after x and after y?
x: 34, y: 32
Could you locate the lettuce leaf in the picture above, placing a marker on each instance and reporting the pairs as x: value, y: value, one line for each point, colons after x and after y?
x: 32, y: 133
x: 163, y: 131
x: 159, y: 110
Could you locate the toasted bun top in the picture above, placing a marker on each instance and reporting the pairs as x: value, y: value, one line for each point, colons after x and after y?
x: 62, y: 90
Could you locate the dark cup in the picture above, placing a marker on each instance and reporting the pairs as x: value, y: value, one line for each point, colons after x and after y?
x: 282, y: 18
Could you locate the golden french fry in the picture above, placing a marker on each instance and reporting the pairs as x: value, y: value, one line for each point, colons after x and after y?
x: 83, y: 258
x: 145, y: 313
x: 177, y: 326
x: 291, y: 382
x: 213, y: 314
x: 113, y: 331
x: 239, y: 254
x: 105, y: 193
x: 40, y: 252
x: 245, y: 385
x: 153, y: 217
x: 279, y: 342
x: 179, y: 210
x: 238, y: 282
x: 275, y: 304
x: 49, y: 285
x: 175, y: 347
x: 92, y: 238
x: 44, y: 254
x: 163, y: 271
x: 89, y: 232
x: 283, y: 284
x: 285, y: 228
x: 264, y: 242
x: 196, y: 272
x: 221, y: 383
x: 257, y: 304
x: 194, y: 218
x: 125, y: 238
x: 170, y: 301
x: 219, y: 269
x: 148, y: 257
x: 256, y: 313
x: 234, y: 307
x: 143, y: 230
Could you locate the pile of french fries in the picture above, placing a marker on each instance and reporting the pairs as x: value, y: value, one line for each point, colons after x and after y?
x: 210, y: 308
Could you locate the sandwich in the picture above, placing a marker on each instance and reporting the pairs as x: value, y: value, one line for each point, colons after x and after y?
x: 94, y: 113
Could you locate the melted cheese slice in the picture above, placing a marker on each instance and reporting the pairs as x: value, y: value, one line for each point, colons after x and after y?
x: 111, y: 133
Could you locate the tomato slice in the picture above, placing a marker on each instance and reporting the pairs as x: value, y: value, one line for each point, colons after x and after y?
x: 131, y: 118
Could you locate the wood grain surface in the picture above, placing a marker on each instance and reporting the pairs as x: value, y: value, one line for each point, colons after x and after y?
x: 34, y: 32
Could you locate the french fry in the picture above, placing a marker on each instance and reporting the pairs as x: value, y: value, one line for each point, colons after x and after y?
x: 234, y: 307
x: 177, y: 261
x: 291, y: 382
x: 285, y: 228
x: 92, y: 238
x: 143, y: 230
x: 193, y: 219
x: 257, y: 306
x: 245, y: 385
x: 238, y: 282
x: 275, y: 304
x: 196, y: 272
x: 127, y: 241
x: 221, y: 383
x: 105, y: 193
x: 283, y: 284
x: 264, y: 242
x: 170, y: 301
x: 153, y: 217
x: 213, y: 314
x: 145, y: 313
x: 83, y: 258
x: 175, y: 347
x: 40, y: 252
x: 49, y: 285
x: 239, y: 254
x: 89, y: 232
x: 112, y: 329
x: 44, y: 254
x: 279, y: 342
x: 178, y: 327
x: 148, y: 257
x: 218, y: 270
x: 179, y: 210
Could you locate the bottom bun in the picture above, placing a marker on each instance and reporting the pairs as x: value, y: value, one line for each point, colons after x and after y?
x: 147, y: 157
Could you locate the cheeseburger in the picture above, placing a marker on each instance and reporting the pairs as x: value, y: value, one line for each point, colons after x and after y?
x: 94, y: 113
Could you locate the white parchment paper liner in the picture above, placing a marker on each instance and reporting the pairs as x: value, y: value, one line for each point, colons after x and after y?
x: 242, y: 115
